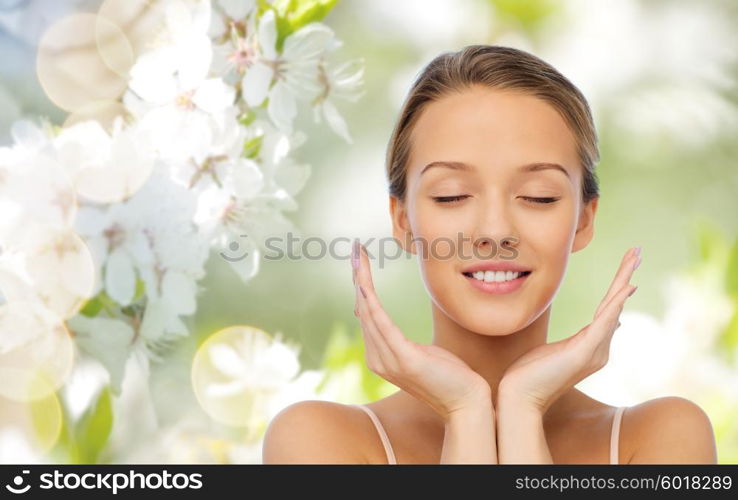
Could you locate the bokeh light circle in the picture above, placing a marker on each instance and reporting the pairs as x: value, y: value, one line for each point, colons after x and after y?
x: 39, y: 422
x: 59, y: 274
x: 142, y: 21
x: 36, y: 351
x: 81, y: 59
x: 236, y: 371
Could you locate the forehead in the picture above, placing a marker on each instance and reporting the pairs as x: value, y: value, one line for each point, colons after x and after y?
x: 484, y: 126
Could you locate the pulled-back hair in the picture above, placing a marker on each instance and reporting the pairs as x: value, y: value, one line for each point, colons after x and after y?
x: 496, y: 67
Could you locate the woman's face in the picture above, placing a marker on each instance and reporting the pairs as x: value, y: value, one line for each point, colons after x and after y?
x: 491, y: 136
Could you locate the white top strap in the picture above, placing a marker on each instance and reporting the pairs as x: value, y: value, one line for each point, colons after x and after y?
x: 615, y: 435
x: 382, y: 434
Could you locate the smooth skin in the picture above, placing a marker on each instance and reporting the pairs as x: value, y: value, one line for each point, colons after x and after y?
x: 490, y: 388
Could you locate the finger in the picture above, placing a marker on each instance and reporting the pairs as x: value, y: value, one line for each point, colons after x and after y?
x: 364, y: 271
x: 374, y: 353
x: 386, y: 328
x: 622, y: 277
x: 388, y: 334
x: 355, y: 259
x: 603, y: 327
x: 363, y: 275
x: 386, y: 356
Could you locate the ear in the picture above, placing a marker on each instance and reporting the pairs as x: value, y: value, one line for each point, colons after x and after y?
x: 585, y: 226
x: 401, y: 224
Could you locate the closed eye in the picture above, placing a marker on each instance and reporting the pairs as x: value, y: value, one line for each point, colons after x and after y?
x: 540, y: 200
x: 449, y: 199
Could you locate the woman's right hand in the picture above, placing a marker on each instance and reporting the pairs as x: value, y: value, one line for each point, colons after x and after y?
x: 428, y: 372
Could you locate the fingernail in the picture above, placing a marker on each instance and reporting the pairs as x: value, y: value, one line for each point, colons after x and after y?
x: 632, y: 291
x: 638, y: 251
x: 362, y: 291
x: 638, y: 263
x: 355, y: 255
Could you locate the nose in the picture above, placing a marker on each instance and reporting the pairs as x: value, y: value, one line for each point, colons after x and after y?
x: 495, y: 234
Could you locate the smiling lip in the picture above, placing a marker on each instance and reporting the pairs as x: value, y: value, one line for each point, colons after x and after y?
x: 497, y: 287
x: 495, y: 266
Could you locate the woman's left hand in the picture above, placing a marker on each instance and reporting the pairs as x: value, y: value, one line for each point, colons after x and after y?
x: 542, y: 375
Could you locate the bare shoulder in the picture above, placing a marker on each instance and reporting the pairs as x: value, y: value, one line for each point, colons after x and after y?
x: 668, y: 430
x: 314, y: 432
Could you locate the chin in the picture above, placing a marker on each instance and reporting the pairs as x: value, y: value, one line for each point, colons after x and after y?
x: 482, y: 325
x: 491, y: 317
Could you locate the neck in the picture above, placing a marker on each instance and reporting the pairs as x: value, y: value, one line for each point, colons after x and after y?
x: 488, y: 355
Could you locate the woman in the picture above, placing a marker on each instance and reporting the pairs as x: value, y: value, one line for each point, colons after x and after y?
x: 492, y: 184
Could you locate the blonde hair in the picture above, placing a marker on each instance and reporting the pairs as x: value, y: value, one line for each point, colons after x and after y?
x: 501, y: 68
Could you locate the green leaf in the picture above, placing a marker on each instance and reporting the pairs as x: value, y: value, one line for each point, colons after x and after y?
x: 247, y: 118
x: 252, y: 147
x: 731, y: 274
x: 47, y: 421
x: 284, y: 7
x: 93, y: 429
x: 65, y: 449
x: 291, y: 15
x: 101, y: 301
x: 310, y: 12
x: 92, y: 307
x: 140, y: 290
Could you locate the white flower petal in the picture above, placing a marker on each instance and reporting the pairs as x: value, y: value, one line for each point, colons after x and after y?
x: 214, y: 95
x: 247, y: 179
x: 28, y: 135
x: 107, y: 340
x: 282, y: 107
x: 195, y: 54
x: 237, y: 9
x: 336, y: 121
x: 153, y: 324
x: 152, y: 77
x: 120, y: 277
x: 226, y: 360
x: 90, y: 221
x: 180, y: 291
x: 309, y: 42
x: 268, y: 35
x: 224, y: 390
x: 247, y: 266
x: 255, y: 83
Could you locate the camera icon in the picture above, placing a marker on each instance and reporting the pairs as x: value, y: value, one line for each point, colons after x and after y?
x: 235, y: 249
x: 18, y: 487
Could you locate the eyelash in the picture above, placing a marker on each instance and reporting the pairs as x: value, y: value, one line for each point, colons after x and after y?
x: 451, y: 199
x: 545, y: 200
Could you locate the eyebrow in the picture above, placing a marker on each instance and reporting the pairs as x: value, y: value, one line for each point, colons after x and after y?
x: 531, y: 167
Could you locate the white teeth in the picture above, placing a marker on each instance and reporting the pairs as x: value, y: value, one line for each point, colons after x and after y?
x: 495, y: 276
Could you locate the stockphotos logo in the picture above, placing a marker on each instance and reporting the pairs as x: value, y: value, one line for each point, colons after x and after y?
x: 18, y: 486
x: 107, y: 481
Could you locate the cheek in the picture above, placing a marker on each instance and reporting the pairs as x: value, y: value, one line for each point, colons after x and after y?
x: 547, y: 238
x: 439, y: 236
